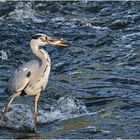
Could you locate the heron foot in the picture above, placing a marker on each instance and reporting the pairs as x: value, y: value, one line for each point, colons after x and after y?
x: 6, y: 108
x: 35, y: 130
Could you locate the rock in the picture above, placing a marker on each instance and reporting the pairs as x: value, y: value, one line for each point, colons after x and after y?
x: 48, y: 117
x: 20, y: 116
x: 65, y: 108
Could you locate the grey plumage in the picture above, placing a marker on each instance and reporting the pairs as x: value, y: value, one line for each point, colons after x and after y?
x: 20, y: 77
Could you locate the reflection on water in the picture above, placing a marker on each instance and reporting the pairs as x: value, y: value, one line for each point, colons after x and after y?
x: 100, y: 67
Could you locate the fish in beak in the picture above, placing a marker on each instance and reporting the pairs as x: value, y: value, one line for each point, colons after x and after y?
x: 56, y: 42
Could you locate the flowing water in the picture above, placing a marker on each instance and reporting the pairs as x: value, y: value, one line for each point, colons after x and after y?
x: 100, y: 68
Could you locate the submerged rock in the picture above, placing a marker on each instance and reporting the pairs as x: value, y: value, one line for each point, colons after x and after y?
x: 20, y: 116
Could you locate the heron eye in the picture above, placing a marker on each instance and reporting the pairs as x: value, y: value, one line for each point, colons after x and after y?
x: 43, y: 39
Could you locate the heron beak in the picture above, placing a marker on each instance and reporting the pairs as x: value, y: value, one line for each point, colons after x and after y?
x: 56, y: 42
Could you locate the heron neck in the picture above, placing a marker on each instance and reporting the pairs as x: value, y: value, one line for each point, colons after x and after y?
x: 41, y: 54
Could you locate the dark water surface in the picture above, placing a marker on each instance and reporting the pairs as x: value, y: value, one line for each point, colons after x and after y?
x: 101, y: 67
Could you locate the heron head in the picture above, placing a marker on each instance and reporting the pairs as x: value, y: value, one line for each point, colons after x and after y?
x: 42, y: 39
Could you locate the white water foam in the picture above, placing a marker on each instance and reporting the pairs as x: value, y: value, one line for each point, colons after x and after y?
x: 24, y: 13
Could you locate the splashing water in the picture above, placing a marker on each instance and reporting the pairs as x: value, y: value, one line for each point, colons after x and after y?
x: 20, y: 116
x: 3, y: 55
x: 24, y: 13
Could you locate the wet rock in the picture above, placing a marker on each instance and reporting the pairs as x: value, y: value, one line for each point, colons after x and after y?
x: 65, y: 108
x: 20, y: 116
x: 48, y: 117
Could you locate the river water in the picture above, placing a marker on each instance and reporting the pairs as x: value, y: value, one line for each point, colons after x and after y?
x: 100, y: 68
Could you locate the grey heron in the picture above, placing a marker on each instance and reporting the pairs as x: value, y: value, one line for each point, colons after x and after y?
x: 32, y: 77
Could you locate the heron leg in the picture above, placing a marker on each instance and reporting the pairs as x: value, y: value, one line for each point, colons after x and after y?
x: 8, y: 104
x: 35, y: 110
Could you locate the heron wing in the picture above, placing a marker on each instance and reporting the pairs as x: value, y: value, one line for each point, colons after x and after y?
x: 21, y: 76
